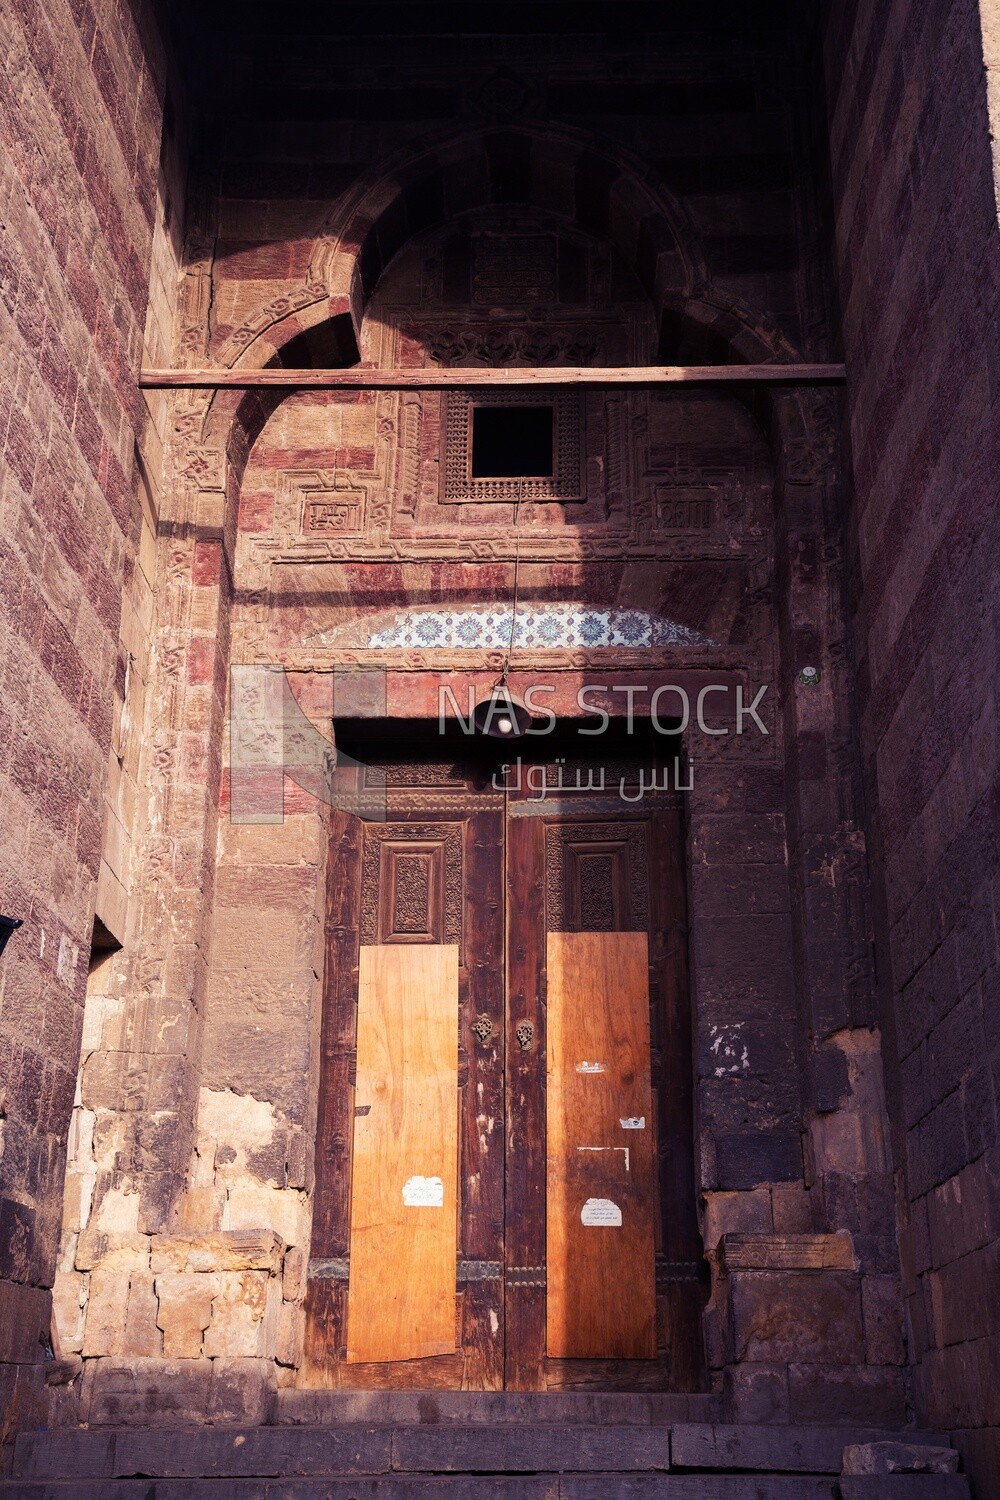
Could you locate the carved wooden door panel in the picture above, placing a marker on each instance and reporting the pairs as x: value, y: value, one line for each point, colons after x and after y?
x: 426, y: 883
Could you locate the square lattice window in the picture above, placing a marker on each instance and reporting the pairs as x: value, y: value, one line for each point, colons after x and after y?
x: 552, y: 439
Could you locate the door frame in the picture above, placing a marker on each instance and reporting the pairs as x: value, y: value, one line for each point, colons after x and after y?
x: 522, y: 1313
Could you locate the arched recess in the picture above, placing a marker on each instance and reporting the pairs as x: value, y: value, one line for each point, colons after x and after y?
x: 570, y: 174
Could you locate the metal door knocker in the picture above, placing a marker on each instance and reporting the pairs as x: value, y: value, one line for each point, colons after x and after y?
x: 483, y: 1029
x: 525, y: 1034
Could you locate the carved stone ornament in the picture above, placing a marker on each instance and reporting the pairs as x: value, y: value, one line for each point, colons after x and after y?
x: 502, y: 96
x: 505, y: 346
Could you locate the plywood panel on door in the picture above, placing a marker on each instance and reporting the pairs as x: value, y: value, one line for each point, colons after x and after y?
x: 600, y: 1197
x: 403, y: 1238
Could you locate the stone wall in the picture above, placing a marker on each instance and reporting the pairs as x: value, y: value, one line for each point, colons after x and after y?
x: 919, y: 255
x: 80, y: 111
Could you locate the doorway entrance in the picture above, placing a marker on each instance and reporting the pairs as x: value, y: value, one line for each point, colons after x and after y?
x: 505, y: 1169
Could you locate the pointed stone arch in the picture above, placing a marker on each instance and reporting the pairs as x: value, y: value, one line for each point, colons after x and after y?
x: 570, y: 174
x: 573, y: 175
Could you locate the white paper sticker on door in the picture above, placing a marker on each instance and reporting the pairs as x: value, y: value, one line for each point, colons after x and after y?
x: 423, y: 1192
x: 633, y: 1122
x: 601, y: 1212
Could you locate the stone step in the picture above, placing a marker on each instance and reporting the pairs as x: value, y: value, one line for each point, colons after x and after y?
x: 434, y: 1448
x: 813, y: 1449
x: 318, y: 1408
x: 607, y: 1486
x: 904, y: 1487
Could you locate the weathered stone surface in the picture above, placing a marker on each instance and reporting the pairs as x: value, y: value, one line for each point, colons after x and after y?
x: 17, y: 1222
x: 756, y: 1393
x: 54, y: 1455
x: 388, y: 1487
x: 147, y: 1392
x: 793, y: 1209
x: 899, y: 1458
x: 786, y: 1252
x: 162, y: 1392
x: 437, y: 1449
x: 285, y: 1452
x: 847, y: 1393
x: 22, y: 1401
x: 61, y: 1372
x: 222, y: 1250
x: 25, y: 1314
x: 242, y: 1390
x: 69, y: 1303
x: 293, y: 1280
x: 745, y: 1462
x: 142, y: 1336
x: 815, y: 1449
x: 980, y: 1452
x: 237, y: 1327
x: 883, y: 1320
x: 113, y: 1226
x: 201, y: 1209
x: 73, y: 295
x: 852, y: 1137
x: 904, y: 1487
x: 748, y: 1158
x: 776, y: 1316
x: 696, y: 1487
x: 289, y: 1334
x: 950, y: 1382
x: 250, y: 1204
x: 736, y: 1213
x: 315, y: 1407
x: 105, y: 1325
x: 184, y: 1311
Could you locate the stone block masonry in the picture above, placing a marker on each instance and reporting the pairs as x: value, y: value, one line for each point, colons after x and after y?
x: 911, y: 92
x: 81, y: 118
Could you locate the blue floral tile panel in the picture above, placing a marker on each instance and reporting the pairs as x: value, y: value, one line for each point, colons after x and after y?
x: 550, y: 626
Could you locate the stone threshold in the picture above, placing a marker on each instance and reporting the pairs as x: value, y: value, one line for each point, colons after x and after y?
x: 314, y: 1407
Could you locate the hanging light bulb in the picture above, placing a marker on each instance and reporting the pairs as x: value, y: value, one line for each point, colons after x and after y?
x: 500, y: 715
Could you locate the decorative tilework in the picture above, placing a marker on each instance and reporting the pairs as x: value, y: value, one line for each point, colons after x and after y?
x: 551, y: 626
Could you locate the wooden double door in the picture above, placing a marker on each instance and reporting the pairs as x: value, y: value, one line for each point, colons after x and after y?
x: 504, y: 1169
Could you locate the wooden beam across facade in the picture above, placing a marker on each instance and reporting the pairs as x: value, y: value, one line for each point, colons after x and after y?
x: 465, y: 378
